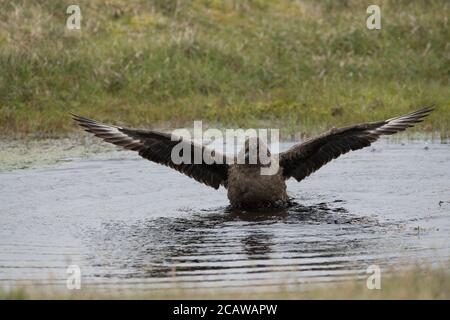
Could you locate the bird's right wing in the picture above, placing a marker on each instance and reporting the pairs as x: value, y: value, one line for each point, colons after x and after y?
x: 303, y: 159
x: 157, y: 147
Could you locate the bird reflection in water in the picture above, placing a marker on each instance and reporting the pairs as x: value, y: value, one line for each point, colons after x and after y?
x: 218, y: 242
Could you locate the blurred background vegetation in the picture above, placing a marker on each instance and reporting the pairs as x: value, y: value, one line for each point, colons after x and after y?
x: 299, y: 65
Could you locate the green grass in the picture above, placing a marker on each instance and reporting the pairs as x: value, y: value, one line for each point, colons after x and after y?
x: 302, y: 66
x: 417, y: 283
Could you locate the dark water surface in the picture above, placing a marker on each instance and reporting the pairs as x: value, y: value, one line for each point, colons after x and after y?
x: 132, y: 224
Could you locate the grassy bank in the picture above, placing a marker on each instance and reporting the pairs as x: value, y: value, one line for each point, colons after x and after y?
x: 418, y: 283
x: 302, y: 65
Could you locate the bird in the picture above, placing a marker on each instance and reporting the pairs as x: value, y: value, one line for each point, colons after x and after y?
x: 246, y: 187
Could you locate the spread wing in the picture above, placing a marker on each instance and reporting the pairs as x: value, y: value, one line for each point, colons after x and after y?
x: 303, y: 159
x: 157, y: 147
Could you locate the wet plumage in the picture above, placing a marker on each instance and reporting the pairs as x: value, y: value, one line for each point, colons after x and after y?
x: 246, y: 186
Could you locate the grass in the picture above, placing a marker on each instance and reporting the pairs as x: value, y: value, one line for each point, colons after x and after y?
x: 300, y: 65
x: 417, y: 283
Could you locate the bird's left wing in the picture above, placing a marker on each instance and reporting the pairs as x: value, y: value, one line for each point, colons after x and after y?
x: 303, y: 159
x: 157, y: 147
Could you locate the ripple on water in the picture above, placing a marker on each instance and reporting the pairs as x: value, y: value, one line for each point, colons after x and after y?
x: 131, y: 223
x: 224, y: 247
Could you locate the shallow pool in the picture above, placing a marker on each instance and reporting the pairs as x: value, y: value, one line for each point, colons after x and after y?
x: 130, y: 223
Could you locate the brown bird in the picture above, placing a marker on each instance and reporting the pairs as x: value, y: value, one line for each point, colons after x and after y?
x: 247, y: 187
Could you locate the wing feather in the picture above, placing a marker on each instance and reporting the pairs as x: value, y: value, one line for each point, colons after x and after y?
x: 303, y: 159
x: 157, y: 147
